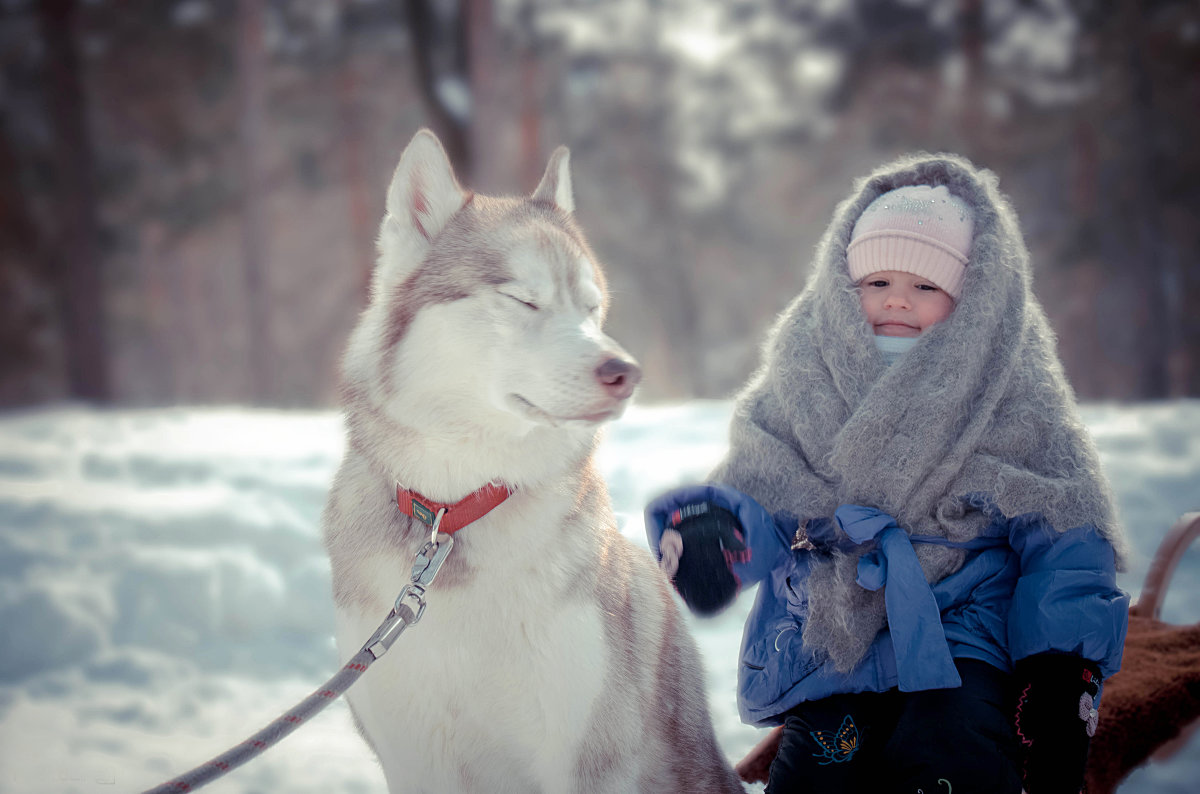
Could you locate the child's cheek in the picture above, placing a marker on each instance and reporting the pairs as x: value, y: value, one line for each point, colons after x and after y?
x: 943, y: 311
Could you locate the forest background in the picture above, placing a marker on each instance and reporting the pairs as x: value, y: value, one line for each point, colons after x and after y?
x: 190, y: 189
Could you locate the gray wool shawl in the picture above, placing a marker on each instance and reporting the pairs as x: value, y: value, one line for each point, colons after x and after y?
x: 980, y: 405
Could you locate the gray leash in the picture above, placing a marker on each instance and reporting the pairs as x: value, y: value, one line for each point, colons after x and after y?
x: 425, y: 567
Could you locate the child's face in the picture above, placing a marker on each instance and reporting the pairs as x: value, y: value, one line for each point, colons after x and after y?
x: 901, y: 304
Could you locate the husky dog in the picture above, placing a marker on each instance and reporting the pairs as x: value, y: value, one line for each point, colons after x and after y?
x: 553, y: 657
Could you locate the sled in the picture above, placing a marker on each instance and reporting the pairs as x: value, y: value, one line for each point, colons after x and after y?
x: 1148, y: 710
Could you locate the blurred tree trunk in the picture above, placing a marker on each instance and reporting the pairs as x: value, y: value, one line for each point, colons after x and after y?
x: 490, y: 131
x: 27, y: 363
x: 972, y: 92
x: 532, y: 106
x: 251, y: 101
x: 1156, y: 342
x: 428, y: 40
x: 506, y: 108
x: 76, y: 252
x: 492, y: 160
x: 353, y: 157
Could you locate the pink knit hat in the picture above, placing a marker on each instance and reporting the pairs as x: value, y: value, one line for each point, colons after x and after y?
x: 926, y: 231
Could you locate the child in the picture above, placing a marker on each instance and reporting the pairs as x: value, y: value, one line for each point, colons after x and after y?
x: 909, y: 479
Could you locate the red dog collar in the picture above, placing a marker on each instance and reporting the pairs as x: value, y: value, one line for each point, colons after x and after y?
x: 457, y: 514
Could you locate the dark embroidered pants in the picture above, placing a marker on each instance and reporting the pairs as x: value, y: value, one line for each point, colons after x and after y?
x: 941, y: 741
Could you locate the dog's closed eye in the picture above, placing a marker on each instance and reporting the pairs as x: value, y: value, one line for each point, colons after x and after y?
x: 524, y: 301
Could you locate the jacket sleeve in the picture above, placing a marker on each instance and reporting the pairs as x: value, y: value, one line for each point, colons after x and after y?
x: 766, y: 538
x: 1066, y: 599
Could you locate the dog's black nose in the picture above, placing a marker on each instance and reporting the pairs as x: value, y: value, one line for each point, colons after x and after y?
x: 619, y: 377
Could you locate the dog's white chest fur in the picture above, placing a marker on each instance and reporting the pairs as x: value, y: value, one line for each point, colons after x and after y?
x: 492, y: 691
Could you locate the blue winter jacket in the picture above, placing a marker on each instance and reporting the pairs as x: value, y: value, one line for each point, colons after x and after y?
x: 1024, y: 589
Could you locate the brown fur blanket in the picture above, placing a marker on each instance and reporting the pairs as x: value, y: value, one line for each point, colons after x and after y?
x: 1154, y: 697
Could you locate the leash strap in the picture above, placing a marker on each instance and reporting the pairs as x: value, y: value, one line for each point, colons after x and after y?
x: 455, y: 515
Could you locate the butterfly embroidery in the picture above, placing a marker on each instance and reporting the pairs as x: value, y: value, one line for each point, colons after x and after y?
x: 836, y: 748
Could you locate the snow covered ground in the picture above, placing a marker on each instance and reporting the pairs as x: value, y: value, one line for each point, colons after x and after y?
x: 163, y: 590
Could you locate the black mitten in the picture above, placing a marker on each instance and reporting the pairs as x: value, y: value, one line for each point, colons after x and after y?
x: 1055, y: 720
x: 712, y: 539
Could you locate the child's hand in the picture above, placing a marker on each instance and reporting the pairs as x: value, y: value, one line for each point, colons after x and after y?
x: 1055, y: 720
x: 670, y: 546
x: 698, y: 548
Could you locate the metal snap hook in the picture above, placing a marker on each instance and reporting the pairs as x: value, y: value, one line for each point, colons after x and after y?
x: 429, y: 559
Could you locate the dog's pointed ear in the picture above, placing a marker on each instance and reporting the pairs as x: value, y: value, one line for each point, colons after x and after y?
x: 421, y: 200
x: 555, y: 186
x: 424, y: 194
